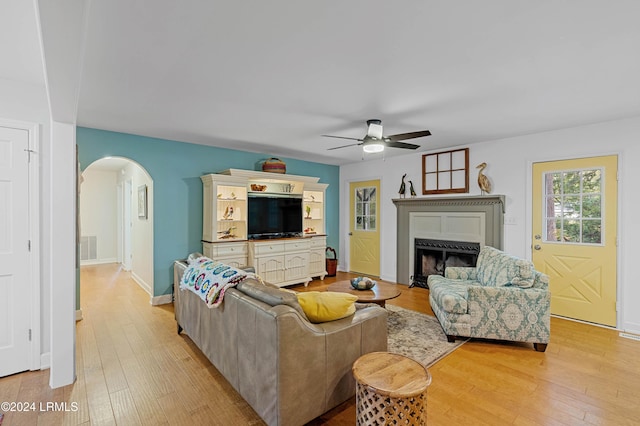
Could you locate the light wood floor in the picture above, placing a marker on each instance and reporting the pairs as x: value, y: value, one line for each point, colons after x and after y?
x: 133, y: 368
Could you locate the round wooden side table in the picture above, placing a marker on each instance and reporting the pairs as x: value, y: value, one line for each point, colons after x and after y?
x: 390, y: 389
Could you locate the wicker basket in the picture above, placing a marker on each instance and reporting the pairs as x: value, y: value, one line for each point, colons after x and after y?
x: 332, y: 264
x: 274, y: 165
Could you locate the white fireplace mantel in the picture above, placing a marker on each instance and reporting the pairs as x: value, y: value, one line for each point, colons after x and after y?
x: 475, y: 218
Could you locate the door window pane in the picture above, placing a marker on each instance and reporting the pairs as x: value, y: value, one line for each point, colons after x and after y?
x: 591, y: 232
x: 365, y: 209
x: 553, y: 229
x: 592, y: 206
x: 573, y: 206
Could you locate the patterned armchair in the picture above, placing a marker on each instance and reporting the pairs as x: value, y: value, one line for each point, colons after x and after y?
x: 502, y: 298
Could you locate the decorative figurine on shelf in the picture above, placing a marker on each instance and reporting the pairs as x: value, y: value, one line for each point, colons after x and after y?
x: 403, y: 187
x: 228, y: 213
x: 483, y: 182
x: 411, y: 190
x: 228, y: 233
x: 308, y: 210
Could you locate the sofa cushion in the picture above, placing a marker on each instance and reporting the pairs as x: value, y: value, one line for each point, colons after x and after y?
x: 272, y: 296
x: 449, y: 294
x: 498, y: 269
x: 323, y: 306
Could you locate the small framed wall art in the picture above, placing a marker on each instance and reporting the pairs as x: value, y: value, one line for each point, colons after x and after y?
x: 445, y: 172
x: 142, y: 201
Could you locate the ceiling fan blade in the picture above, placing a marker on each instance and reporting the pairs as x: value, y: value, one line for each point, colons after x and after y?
x: 342, y: 137
x: 344, y: 146
x: 405, y: 136
x: 402, y: 145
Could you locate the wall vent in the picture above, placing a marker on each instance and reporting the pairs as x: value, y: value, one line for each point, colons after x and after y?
x: 89, y: 248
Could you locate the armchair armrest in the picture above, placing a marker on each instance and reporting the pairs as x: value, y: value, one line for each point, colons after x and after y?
x: 461, y: 273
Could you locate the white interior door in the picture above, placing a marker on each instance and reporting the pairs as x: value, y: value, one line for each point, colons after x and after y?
x: 15, y: 307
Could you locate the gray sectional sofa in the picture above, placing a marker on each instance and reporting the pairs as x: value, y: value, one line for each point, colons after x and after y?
x: 288, y: 369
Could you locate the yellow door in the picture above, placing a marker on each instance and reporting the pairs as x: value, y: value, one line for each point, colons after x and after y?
x: 364, y: 229
x: 574, y: 235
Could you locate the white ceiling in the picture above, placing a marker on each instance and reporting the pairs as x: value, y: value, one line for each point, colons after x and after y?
x: 272, y: 77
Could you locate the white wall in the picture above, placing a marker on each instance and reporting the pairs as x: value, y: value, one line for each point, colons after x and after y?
x: 98, y: 212
x: 142, y: 229
x: 62, y: 250
x: 509, y: 167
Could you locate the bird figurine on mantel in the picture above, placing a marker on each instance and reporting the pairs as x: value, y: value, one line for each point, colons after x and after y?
x: 403, y: 187
x: 483, y: 182
x: 411, y: 190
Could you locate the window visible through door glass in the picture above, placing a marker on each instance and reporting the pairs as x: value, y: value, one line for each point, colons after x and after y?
x: 365, y: 219
x: 573, y: 206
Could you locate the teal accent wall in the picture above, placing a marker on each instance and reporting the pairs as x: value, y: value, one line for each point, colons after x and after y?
x: 175, y: 168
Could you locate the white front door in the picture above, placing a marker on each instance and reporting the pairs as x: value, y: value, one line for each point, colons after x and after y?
x: 15, y: 306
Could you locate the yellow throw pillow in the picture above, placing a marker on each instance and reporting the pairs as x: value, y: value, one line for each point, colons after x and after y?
x: 323, y: 306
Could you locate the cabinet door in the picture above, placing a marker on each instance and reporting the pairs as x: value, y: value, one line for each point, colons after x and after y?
x: 317, y: 262
x: 271, y: 269
x: 296, y: 266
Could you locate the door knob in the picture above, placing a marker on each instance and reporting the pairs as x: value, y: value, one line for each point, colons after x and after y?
x: 350, y: 233
x: 537, y: 247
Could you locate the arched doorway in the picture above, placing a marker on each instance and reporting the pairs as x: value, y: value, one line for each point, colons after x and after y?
x: 116, y: 218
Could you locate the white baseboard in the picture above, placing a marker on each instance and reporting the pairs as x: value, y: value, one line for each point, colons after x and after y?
x: 631, y: 327
x: 45, y: 361
x: 162, y: 300
x: 143, y: 285
x: 79, y: 315
x: 97, y: 262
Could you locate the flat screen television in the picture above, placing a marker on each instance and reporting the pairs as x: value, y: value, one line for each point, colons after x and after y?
x: 273, y: 216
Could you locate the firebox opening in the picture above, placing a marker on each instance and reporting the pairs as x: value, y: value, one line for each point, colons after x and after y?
x: 432, y: 257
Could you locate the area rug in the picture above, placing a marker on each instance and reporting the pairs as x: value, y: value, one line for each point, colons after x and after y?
x: 417, y: 336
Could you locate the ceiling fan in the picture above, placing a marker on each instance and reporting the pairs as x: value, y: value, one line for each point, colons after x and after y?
x: 375, y: 142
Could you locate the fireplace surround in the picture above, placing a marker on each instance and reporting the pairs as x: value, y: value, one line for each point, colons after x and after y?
x: 473, y: 219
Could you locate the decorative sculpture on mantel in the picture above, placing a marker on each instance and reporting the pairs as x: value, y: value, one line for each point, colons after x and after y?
x: 411, y: 190
x: 483, y: 182
x: 403, y: 187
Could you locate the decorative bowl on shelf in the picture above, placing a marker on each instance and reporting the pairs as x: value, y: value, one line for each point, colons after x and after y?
x: 362, y: 283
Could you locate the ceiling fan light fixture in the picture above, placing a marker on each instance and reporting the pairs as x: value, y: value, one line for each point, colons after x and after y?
x: 374, y: 131
x: 373, y: 147
x: 374, y: 141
